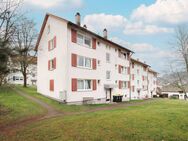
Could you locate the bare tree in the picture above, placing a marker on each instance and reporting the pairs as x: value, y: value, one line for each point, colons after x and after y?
x: 181, y: 43
x: 24, y: 39
x: 179, y: 66
x: 8, y: 19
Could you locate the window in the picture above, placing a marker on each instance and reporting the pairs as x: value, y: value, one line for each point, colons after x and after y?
x: 124, y: 84
x: 99, y: 62
x: 84, y: 84
x: 84, y: 40
x: 108, y: 75
x: 80, y: 39
x: 52, y: 64
x: 84, y: 62
x: 138, y: 82
x: 52, y: 43
x: 107, y: 57
x: 123, y: 70
x: 133, y: 65
x: 87, y: 41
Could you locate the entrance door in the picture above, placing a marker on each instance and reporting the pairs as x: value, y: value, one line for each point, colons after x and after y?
x: 108, y: 94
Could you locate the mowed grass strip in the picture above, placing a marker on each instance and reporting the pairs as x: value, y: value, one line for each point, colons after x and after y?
x: 162, y: 120
x: 60, y: 106
x: 15, y: 107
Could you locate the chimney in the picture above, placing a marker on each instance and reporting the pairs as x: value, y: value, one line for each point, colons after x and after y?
x: 105, y: 33
x: 85, y: 26
x: 77, y: 18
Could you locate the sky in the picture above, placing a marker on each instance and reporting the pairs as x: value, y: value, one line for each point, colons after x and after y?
x: 145, y: 26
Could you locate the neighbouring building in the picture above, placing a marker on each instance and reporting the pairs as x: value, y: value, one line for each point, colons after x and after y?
x: 76, y: 65
x: 171, y: 91
x: 143, y: 80
x: 16, y: 76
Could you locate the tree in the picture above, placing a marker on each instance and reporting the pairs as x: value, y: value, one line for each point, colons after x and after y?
x: 181, y: 43
x: 180, y: 64
x: 24, y: 40
x: 8, y: 20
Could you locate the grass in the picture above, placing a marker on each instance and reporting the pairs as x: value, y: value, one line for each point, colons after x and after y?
x: 64, y: 107
x: 160, y: 120
x: 14, y: 107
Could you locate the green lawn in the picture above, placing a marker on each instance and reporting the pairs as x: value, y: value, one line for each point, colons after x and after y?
x: 160, y: 120
x: 163, y: 120
x: 15, y: 107
x: 57, y: 105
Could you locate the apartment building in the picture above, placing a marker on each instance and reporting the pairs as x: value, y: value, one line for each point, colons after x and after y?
x: 76, y: 65
x: 143, y: 80
x: 152, y: 82
x: 16, y: 77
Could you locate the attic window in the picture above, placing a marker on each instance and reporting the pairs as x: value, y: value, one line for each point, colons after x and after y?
x: 48, y: 30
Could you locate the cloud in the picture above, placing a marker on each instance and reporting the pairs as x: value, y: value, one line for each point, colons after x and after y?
x: 138, y: 28
x: 97, y: 22
x: 101, y: 21
x: 45, y: 4
x: 152, y: 55
x: 165, y: 11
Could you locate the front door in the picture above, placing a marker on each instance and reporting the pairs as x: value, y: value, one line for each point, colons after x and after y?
x: 108, y: 94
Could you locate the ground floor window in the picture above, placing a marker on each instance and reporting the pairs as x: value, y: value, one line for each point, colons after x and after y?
x: 84, y: 84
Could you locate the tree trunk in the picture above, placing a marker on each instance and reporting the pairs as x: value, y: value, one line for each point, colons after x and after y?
x: 25, y: 78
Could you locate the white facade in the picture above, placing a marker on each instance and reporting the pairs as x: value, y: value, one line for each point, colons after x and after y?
x: 106, y: 70
x: 143, y: 80
x: 178, y: 95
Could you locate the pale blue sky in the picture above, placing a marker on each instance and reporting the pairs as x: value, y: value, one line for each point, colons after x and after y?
x: 145, y: 26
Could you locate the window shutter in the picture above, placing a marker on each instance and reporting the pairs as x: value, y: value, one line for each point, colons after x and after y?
x: 93, y: 43
x: 73, y: 35
x: 129, y: 84
x: 143, y: 78
x: 54, y: 41
x: 119, y: 69
x: 132, y: 76
x: 119, y: 53
x: 120, y: 84
x: 54, y: 63
x: 94, y: 84
x: 128, y: 56
x: 74, y: 84
x: 133, y: 88
x: 74, y: 60
x: 51, y: 85
x: 128, y: 70
x: 48, y: 64
x: 94, y: 64
x: 48, y: 45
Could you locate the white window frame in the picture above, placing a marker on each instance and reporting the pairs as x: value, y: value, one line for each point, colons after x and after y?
x: 124, y: 70
x: 52, y: 44
x: 84, y: 62
x: 107, y: 57
x: 124, y: 84
x: 52, y: 64
x: 84, y: 85
x: 84, y: 37
x: 108, y: 75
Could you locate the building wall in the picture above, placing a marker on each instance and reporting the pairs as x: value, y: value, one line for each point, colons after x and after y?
x: 140, y: 90
x: 64, y: 73
x: 152, y: 84
x: 59, y: 29
x: 99, y: 74
x: 181, y: 95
